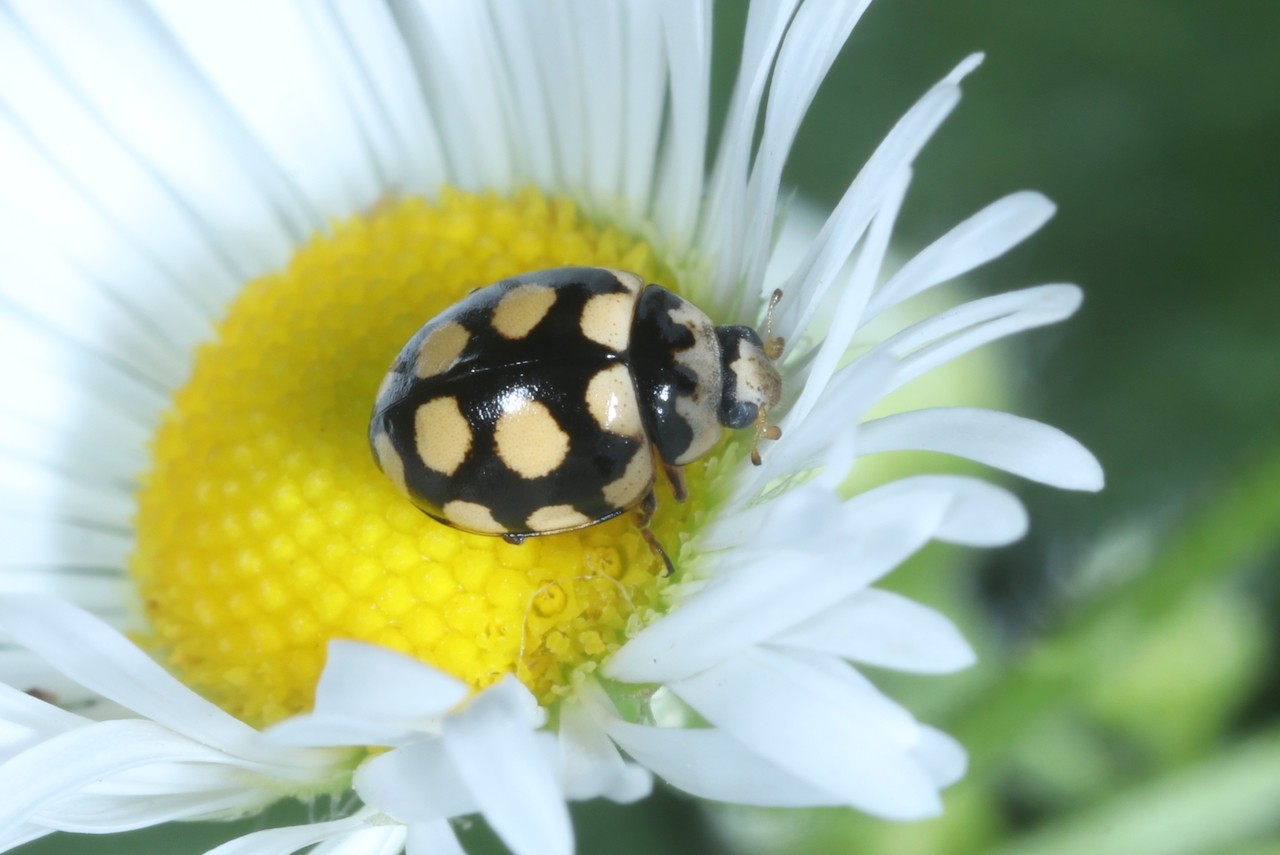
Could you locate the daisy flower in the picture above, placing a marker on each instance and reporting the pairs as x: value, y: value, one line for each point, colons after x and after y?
x: 222, y: 221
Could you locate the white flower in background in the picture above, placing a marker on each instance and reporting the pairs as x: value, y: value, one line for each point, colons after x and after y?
x: 182, y: 430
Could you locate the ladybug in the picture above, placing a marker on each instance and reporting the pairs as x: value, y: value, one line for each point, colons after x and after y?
x: 546, y: 402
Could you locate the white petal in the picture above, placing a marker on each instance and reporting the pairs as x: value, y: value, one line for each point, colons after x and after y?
x: 54, y: 543
x: 602, y: 88
x: 941, y: 756
x: 228, y: 193
x: 979, y: 514
x: 548, y: 31
x: 61, y: 433
x: 686, y: 28
x: 814, y: 38
x: 647, y: 57
x: 986, y: 235
x: 154, y: 780
x: 283, y: 841
x: 489, y: 759
x: 499, y: 756
x: 102, y: 316
x: 28, y: 673
x: 723, y: 233
x: 800, y: 223
x: 772, y: 590
x: 101, y: 589
x: 1021, y: 446
x: 892, y: 158
x: 289, y: 93
x: 54, y: 383
x: 90, y: 813
x: 25, y: 343
x: 589, y: 762
x: 849, y: 306
x: 376, y: 66
x: 533, y: 99
x: 37, y: 491
x: 97, y: 657
x: 66, y: 764
x: 89, y: 196
x: 378, y: 840
x: 316, y: 730
x: 432, y: 838
x: 369, y: 695
x: 953, y: 333
x: 416, y: 783
x: 827, y: 438
x: 823, y: 724
x: 21, y: 834
x: 711, y: 764
x: 790, y: 522
x: 76, y: 423
x: 884, y: 629
x: 367, y: 680
x: 26, y: 721
x: 452, y: 44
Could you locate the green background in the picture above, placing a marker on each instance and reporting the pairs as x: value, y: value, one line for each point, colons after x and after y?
x: 1126, y: 700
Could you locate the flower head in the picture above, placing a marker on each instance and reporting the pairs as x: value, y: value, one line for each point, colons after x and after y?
x: 217, y: 240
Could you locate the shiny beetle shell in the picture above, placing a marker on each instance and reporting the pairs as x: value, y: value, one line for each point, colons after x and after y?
x: 546, y: 402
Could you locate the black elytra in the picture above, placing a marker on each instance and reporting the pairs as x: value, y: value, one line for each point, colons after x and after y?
x: 546, y: 402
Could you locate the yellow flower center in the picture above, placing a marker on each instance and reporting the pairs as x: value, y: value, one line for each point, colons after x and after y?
x: 265, y: 529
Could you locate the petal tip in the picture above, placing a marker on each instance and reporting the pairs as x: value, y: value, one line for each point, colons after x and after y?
x: 1090, y: 477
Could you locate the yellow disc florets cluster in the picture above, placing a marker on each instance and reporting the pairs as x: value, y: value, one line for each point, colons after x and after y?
x: 265, y: 529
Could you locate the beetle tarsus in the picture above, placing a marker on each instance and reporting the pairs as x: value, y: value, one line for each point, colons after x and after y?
x: 763, y: 431
x: 658, y: 550
x: 675, y: 475
x: 515, y: 539
x: 644, y: 513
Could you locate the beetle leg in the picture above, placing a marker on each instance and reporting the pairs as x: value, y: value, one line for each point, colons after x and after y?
x: 675, y: 475
x: 773, y: 345
x: 644, y: 513
x: 658, y: 551
x: 763, y: 431
x: 515, y: 539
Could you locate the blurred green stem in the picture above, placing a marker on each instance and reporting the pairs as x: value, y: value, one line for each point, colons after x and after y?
x: 1229, y: 799
x: 1239, y: 527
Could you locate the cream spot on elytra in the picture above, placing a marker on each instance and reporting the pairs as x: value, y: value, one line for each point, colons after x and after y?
x: 472, y: 517
x: 442, y: 435
x: 634, y: 482
x: 521, y: 309
x: 530, y: 440
x: 441, y: 349
x: 611, y: 400
x: 606, y: 320
x: 557, y: 518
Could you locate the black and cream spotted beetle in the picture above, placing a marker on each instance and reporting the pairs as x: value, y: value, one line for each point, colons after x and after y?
x: 546, y: 402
